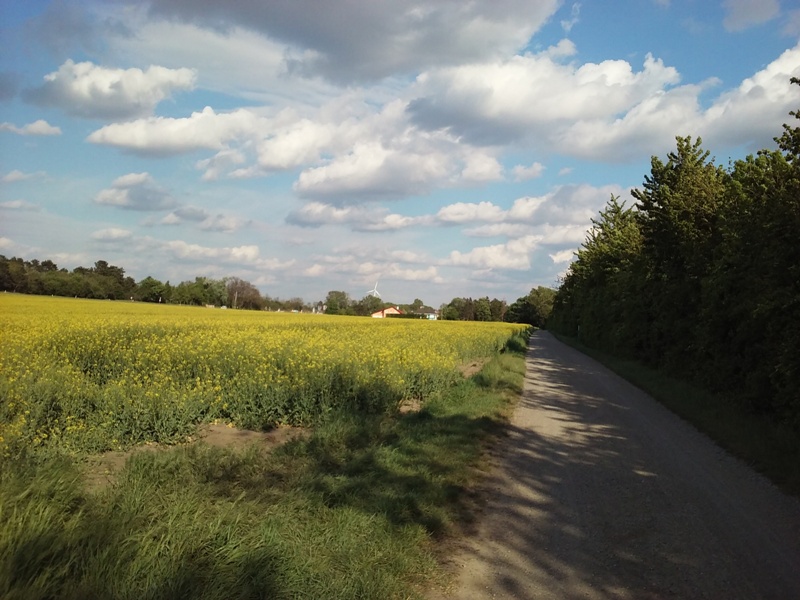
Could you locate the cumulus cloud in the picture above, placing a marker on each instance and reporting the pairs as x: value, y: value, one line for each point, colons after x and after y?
x: 222, y: 223
x: 112, y: 235
x: 743, y: 14
x: 562, y: 256
x: 514, y: 255
x: 751, y: 113
x: 136, y: 191
x: 162, y: 135
x: 185, y: 250
x: 372, y: 170
x: 481, y: 167
x: 357, y: 42
x: 531, y: 95
x: 40, y: 127
x: 359, y: 218
x: 463, y: 212
x: 17, y: 175
x: 19, y: 205
x: 88, y: 90
x: 522, y: 173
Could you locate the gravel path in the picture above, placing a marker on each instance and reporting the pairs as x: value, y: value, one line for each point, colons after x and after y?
x: 600, y: 492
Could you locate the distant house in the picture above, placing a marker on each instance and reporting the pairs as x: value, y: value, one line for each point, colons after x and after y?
x: 383, y: 313
x: 428, y: 313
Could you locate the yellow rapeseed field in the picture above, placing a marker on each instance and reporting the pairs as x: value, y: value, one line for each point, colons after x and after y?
x: 91, y: 375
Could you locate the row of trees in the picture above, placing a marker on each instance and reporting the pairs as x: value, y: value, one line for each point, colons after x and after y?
x: 701, y: 276
x: 533, y: 308
x: 105, y: 281
x: 108, y: 282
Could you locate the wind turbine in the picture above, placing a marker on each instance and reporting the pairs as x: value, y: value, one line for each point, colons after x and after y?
x: 374, y: 291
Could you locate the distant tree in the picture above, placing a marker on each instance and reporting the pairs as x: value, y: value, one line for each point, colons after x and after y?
x: 338, y: 303
x: 150, y: 290
x: 533, y: 309
x: 498, y: 308
x: 483, y: 309
x: 243, y: 294
x: 367, y: 305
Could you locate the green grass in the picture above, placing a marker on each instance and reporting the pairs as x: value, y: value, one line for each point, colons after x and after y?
x: 770, y: 448
x: 353, y: 511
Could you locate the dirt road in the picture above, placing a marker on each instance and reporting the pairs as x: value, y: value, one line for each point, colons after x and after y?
x: 600, y: 492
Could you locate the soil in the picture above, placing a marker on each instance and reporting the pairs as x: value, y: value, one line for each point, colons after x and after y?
x: 101, y: 469
x: 600, y: 492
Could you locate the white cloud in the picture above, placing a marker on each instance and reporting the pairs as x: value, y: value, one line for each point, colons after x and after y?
x: 514, y: 255
x: 357, y: 42
x: 574, y: 17
x: 742, y: 14
x: 195, y: 252
x: 88, y: 90
x: 562, y: 256
x: 481, y: 168
x: 751, y: 113
x: 531, y: 96
x: 40, y: 127
x: 112, y: 234
x: 220, y: 163
x: 462, y: 212
x: 372, y: 170
x: 525, y: 173
x: 136, y: 191
x: 161, y: 135
x: 19, y: 205
x: 222, y: 223
x: 17, y: 175
x: 360, y: 218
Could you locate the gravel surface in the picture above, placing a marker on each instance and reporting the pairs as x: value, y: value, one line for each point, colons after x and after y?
x: 600, y: 492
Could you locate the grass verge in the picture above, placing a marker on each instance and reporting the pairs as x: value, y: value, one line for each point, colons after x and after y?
x: 353, y: 511
x: 770, y: 448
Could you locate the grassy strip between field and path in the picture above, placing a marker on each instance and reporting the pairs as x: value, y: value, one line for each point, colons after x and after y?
x: 354, y: 510
x: 770, y: 448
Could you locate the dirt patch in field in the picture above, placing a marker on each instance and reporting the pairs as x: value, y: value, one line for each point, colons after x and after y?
x: 101, y: 469
x: 471, y: 368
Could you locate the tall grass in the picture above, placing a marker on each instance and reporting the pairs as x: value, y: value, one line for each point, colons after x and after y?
x: 353, y: 511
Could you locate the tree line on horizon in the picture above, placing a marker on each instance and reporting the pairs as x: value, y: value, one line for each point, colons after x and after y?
x: 104, y: 281
x: 701, y: 276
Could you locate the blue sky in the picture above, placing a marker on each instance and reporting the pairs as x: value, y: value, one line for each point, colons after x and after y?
x: 443, y: 149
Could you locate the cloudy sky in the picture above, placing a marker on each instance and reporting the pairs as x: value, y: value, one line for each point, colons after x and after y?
x: 444, y: 148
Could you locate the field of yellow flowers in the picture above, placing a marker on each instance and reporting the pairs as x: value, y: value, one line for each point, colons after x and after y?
x: 86, y: 376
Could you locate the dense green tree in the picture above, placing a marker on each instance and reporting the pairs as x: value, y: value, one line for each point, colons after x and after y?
x: 701, y: 276
x: 534, y: 308
x: 151, y: 290
x: 368, y: 305
x: 338, y: 303
x: 678, y: 212
x: 243, y: 294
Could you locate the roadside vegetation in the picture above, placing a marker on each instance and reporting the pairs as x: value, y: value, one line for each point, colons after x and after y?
x: 353, y: 509
x: 700, y: 281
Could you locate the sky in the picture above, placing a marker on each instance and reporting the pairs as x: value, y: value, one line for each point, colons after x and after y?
x: 439, y: 148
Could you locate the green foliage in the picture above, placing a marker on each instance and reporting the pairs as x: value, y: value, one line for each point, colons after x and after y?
x: 533, y: 309
x: 338, y: 303
x: 701, y: 277
x: 467, y: 309
x: 349, y: 512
